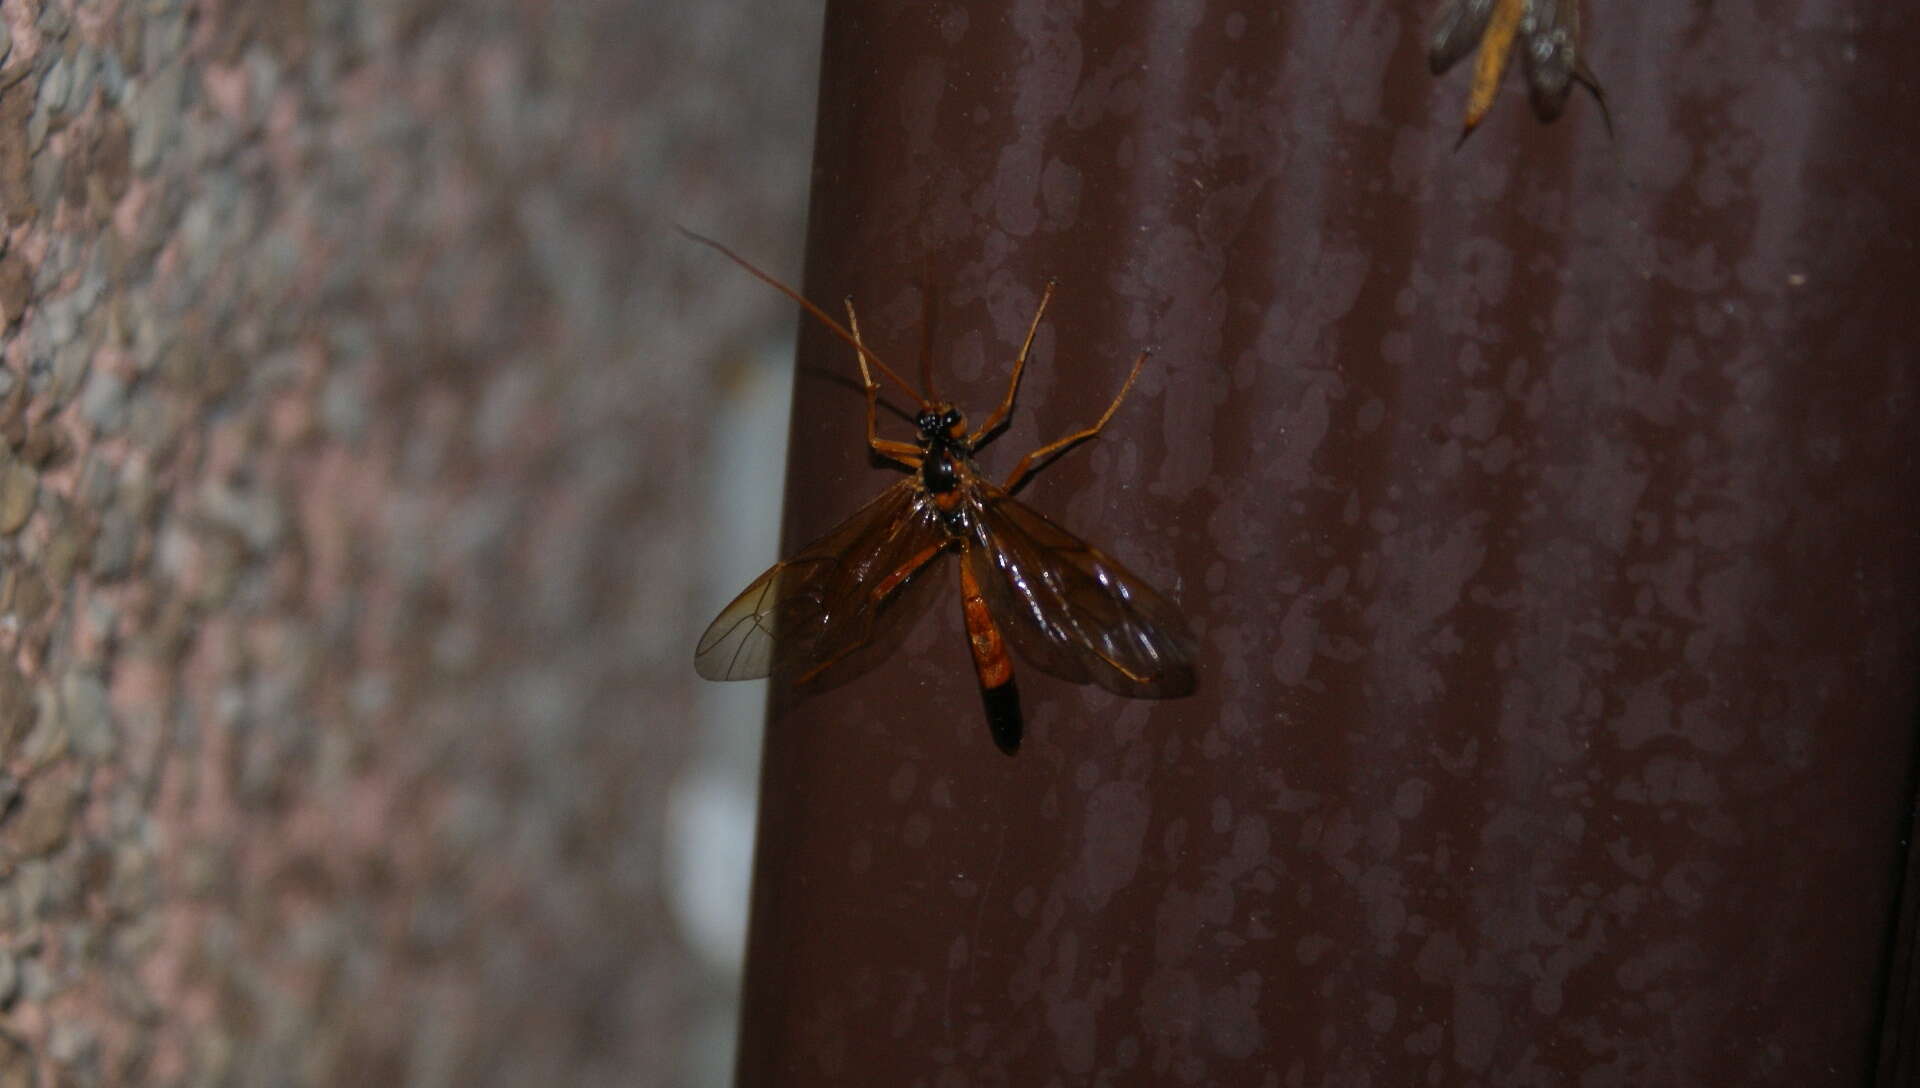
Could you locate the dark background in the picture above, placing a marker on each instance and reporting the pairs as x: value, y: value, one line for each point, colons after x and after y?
x: 1546, y: 510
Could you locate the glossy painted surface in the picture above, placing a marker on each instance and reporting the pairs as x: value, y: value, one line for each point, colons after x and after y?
x: 1545, y: 513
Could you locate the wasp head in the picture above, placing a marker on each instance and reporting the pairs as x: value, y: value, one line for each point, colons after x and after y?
x: 940, y: 421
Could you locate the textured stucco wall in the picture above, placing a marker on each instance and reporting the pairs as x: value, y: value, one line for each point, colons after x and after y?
x: 352, y: 391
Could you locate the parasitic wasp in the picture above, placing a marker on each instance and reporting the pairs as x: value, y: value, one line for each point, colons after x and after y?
x: 1549, y: 35
x: 842, y: 603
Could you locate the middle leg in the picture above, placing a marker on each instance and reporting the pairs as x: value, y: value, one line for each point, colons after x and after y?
x: 1052, y: 449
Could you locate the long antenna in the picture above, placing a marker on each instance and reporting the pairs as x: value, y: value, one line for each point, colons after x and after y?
x: 929, y: 316
x: 838, y: 329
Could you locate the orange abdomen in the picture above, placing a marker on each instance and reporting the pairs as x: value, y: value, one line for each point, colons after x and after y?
x: 990, y: 658
x: 1495, y: 46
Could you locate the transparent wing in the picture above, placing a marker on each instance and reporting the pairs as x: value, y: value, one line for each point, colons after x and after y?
x: 1070, y: 609
x: 837, y: 607
x: 1549, y: 38
x: 1456, y: 32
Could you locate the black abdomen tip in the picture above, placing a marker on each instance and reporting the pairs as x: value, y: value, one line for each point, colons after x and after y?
x: 1003, y: 716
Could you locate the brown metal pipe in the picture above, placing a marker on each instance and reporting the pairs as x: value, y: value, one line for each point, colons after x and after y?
x: 1545, y: 510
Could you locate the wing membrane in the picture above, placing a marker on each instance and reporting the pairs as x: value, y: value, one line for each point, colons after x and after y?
x: 1072, y: 610
x: 1456, y: 32
x: 830, y: 612
x: 1549, y: 36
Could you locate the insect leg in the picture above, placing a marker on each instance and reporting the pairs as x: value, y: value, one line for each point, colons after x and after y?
x: 877, y: 594
x: 905, y: 453
x: 1047, y: 452
x: 999, y: 417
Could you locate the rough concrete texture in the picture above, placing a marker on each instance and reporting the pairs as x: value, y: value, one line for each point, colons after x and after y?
x: 352, y: 380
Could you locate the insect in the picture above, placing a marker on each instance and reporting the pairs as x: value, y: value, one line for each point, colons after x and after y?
x: 842, y: 603
x: 1549, y: 33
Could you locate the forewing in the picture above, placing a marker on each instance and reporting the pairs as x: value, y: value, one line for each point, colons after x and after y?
x: 833, y: 609
x: 1456, y: 32
x: 1071, y: 609
x: 1549, y: 39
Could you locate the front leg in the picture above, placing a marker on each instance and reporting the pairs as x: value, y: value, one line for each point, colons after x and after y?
x: 903, y: 453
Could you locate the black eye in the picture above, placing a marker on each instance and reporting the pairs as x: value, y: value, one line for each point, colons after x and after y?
x: 924, y: 421
x: 952, y: 417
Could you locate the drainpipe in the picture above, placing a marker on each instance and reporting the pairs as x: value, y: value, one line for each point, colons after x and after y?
x: 1545, y: 510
